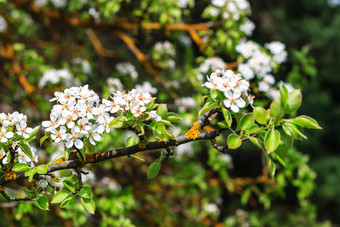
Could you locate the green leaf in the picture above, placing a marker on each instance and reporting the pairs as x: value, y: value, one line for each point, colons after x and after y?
x: 227, y: 116
x: 60, y: 196
x: 283, y: 95
x: 306, y: 122
x: 275, y: 110
x: 255, y: 141
x: 85, y: 192
x: 42, y: 203
x: 82, y: 153
x: 272, y: 140
x: 261, y: 115
x: 118, y: 122
x: 270, y: 166
x: 222, y: 124
x: 138, y: 158
x: 153, y: 170
x: 20, y: 167
x: 160, y: 131
x: 130, y: 141
x: 208, y: 106
x: 214, y: 94
x: 292, y: 130
x: 234, y: 141
x: 66, y: 202
x: 278, y: 158
x: 246, y: 121
x: 254, y: 129
x: 294, y: 101
x: 33, y: 134
x: 42, y: 169
x: 67, y: 153
x: 69, y: 185
x: 162, y: 110
x: 88, y: 205
x: 26, y: 149
x: 44, y: 138
x: 168, y: 123
x: 173, y: 117
x: 30, y: 173
x: 65, y: 173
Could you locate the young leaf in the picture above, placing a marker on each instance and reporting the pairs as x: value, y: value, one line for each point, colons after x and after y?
x: 292, y: 130
x: 283, y: 95
x: 254, y: 129
x: 30, y: 173
x: 160, y: 132
x: 162, y: 110
x: 20, y: 167
x: 60, y: 196
x: 227, y: 116
x: 42, y: 169
x: 153, y: 170
x: 69, y: 185
x: 44, y: 138
x: 130, y: 141
x: 272, y: 140
x: 222, y: 124
x: 261, y: 115
x: 275, y: 110
x: 33, y: 134
x: 118, y: 122
x: 294, y: 101
x: 66, y: 202
x: 208, y: 106
x: 42, y: 203
x: 26, y: 149
x: 88, y: 205
x: 247, y: 121
x: 255, y: 141
x: 85, y: 192
x: 306, y: 122
x: 271, y: 166
x: 173, y: 117
x: 234, y: 141
x: 67, y: 153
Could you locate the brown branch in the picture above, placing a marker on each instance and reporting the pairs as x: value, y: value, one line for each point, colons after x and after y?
x: 75, y: 162
x: 98, y: 45
x: 144, y: 60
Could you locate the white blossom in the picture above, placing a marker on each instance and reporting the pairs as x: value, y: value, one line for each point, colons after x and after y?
x: 3, y: 24
x: 43, y: 183
x: 127, y: 68
x: 155, y: 116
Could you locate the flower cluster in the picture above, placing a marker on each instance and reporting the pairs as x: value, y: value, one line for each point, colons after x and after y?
x: 85, y: 65
x: 185, y: 103
x: 212, y: 63
x: 114, y: 84
x: 13, y: 128
x: 78, y: 116
x: 260, y: 64
x: 235, y: 88
x: 11, y: 124
x: 163, y: 53
x: 134, y: 101
x: 55, y: 76
x: 233, y: 8
x: 126, y: 68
